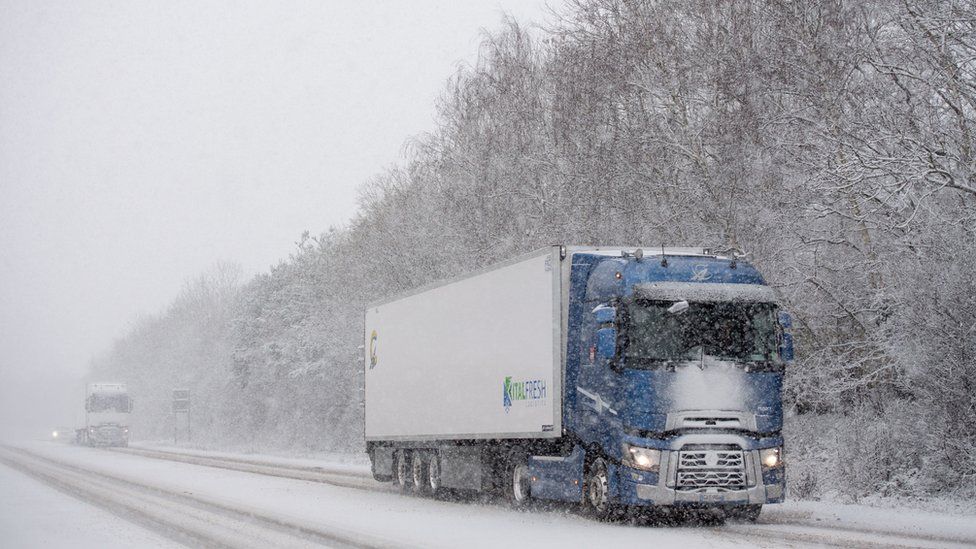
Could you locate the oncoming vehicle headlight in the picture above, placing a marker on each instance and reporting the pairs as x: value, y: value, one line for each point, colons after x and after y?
x: 771, y: 457
x: 646, y: 459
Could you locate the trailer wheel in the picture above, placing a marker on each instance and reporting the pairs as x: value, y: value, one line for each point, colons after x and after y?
x: 597, y: 494
x: 401, y: 469
x: 518, y: 489
x: 434, y: 472
x: 418, y: 469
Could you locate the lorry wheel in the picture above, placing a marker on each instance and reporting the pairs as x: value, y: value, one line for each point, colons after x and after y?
x: 597, y: 494
x: 518, y: 489
x: 418, y: 469
x: 434, y: 473
x: 401, y: 469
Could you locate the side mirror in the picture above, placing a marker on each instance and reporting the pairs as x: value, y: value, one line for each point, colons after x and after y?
x: 786, y: 348
x: 605, y: 314
x: 130, y: 406
x: 786, y: 343
x: 606, y: 333
x: 785, y: 320
x: 606, y: 343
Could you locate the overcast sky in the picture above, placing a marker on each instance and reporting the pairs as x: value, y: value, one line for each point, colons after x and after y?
x: 141, y: 143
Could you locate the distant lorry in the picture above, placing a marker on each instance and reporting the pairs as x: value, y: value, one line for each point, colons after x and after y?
x: 611, y: 377
x: 107, y: 409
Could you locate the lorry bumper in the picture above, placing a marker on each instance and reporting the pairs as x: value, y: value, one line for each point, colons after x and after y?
x: 108, y: 436
x: 109, y: 442
x: 645, y: 489
x: 647, y: 494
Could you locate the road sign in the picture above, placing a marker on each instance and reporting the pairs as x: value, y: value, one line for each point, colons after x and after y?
x: 181, y: 405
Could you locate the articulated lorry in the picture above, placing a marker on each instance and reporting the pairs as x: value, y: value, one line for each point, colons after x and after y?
x: 107, y: 409
x: 610, y: 377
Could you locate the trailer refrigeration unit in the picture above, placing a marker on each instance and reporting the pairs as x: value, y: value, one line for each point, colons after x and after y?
x: 611, y: 377
x: 107, y: 409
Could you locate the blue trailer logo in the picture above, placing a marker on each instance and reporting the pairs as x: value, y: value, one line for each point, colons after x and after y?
x: 530, y: 391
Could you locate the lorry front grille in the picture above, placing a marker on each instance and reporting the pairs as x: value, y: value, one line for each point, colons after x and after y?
x: 711, y: 470
x: 108, y: 432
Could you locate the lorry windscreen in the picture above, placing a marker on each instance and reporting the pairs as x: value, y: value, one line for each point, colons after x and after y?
x: 733, y: 331
x: 108, y: 403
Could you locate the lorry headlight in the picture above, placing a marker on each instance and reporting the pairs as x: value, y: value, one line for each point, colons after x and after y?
x: 771, y: 457
x: 646, y: 459
x: 54, y: 434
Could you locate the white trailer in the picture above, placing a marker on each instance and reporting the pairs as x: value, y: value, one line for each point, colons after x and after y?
x: 464, y: 360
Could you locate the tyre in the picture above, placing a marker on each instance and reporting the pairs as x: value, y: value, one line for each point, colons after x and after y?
x: 401, y: 469
x: 418, y: 472
x: 596, y: 495
x: 518, y: 488
x: 433, y: 472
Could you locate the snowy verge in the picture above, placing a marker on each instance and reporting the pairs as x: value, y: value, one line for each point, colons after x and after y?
x: 826, y: 458
x: 958, y: 528
x: 35, y: 515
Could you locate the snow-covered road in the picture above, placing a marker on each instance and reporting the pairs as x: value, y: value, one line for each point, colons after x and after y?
x: 215, y: 499
x: 35, y: 515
